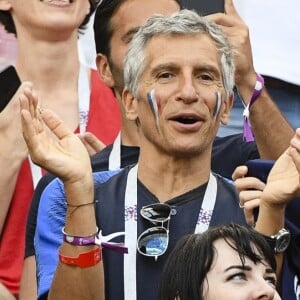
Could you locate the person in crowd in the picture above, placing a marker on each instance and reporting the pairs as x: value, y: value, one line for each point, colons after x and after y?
x: 124, y: 17
x: 115, y: 24
x: 177, y: 102
x: 251, y: 190
x: 224, y: 262
x: 47, y: 34
x: 280, y: 70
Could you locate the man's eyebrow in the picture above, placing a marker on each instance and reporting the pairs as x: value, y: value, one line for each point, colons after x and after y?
x: 240, y: 267
x: 164, y: 66
x: 129, y: 34
x: 173, y: 66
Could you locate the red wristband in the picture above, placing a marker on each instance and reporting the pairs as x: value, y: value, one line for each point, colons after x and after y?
x: 83, y: 260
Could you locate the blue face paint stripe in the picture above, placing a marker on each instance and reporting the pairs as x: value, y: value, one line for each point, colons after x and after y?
x: 153, y: 105
x: 218, y: 105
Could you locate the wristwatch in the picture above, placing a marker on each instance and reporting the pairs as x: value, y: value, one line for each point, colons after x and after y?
x: 279, y: 241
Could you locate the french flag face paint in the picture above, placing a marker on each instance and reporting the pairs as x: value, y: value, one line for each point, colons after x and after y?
x: 218, y: 105
x: 153, y: 105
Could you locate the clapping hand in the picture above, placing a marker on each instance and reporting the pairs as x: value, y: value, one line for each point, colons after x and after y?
x: 51, y: 144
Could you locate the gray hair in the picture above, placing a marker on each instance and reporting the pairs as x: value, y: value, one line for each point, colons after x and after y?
x: 179, y: 23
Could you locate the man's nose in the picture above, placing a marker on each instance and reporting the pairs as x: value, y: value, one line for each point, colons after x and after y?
x: 188, y: 92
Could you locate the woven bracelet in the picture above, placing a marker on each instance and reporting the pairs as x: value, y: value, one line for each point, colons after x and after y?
x: 80, y: 205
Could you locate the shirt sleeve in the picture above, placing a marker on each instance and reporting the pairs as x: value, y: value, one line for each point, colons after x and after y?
x: 32, y: 215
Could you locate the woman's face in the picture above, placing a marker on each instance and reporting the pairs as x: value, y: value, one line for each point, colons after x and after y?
x: 229, y: 279
x: 47, y: 15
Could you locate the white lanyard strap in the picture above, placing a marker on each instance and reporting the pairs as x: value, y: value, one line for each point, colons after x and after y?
x: 83, y: 98
x: 203, y: 222
x: 114, y: 160
x: 36, y: 172
x: 208, y: 205
x: 83, y: 107
x: 130, y: 216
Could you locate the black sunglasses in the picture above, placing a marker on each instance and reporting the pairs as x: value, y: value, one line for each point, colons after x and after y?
x: 154, y: 241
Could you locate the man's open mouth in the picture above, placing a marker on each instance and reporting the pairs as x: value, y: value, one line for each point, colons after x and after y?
x: 186, y: 120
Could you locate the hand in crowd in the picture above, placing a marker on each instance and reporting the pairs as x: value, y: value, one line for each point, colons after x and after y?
x: 237, y: 32
x: 91, y: 142
x: 250, y: 190
x: 294, y: 150
x: 65, y: 156
x: 283, y: 183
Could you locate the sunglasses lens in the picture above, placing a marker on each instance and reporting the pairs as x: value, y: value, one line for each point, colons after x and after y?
x: 154, y: 241
x: 156, y: 212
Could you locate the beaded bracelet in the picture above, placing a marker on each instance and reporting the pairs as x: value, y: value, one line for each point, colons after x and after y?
x: 259, y: 85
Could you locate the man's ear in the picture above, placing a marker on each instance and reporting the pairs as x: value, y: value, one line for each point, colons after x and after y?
x: 5, y: 5
x: 227, y: 109
x: 104, y: 70
x: 130, y: 105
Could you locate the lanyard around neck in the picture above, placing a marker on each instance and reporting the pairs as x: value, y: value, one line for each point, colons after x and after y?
x: 83, y: 108
x: 114, y: 160
x: 130, y: 217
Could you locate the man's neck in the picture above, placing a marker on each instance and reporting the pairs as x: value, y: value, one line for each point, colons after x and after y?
x: 129, y: 133
x: 168, y: 177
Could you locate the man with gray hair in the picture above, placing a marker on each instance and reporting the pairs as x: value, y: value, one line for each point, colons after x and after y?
x: 179, y: 76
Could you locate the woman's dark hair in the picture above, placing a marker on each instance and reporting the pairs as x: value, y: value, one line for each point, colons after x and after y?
x: 188, y: 264
x: 102, y: 26
x: 7, y: 20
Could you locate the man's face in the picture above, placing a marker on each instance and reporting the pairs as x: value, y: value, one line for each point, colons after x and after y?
x: 125, y: 23
x: 184, y: 75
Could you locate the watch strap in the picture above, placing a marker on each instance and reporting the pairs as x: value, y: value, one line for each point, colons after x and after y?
x: 279, y: 241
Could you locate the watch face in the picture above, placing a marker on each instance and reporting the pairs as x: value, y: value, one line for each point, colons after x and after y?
x: 282, y: 242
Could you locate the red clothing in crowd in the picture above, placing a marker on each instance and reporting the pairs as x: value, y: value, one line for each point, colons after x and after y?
x: 105, y: 122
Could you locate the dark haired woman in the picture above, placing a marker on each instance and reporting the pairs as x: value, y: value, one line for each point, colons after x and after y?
x: 226, y: 262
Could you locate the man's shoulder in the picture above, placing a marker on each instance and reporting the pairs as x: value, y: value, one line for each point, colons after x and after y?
x: 111, y: 181
x: 226, y: 187
x: 100, y: 160
x: 234, y: 140
x: 224, y: 182
x: 105, y: 176
x: 129, y: 156
x: 231, y: 151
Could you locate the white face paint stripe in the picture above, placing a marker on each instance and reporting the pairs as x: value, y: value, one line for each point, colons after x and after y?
x: 218, y: 105
x: 153, y: 105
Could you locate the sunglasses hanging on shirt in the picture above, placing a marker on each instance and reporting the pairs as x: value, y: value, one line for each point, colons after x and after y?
x: 154, y: 241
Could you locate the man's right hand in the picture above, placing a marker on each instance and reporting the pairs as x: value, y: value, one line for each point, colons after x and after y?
x: 61, y: 153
